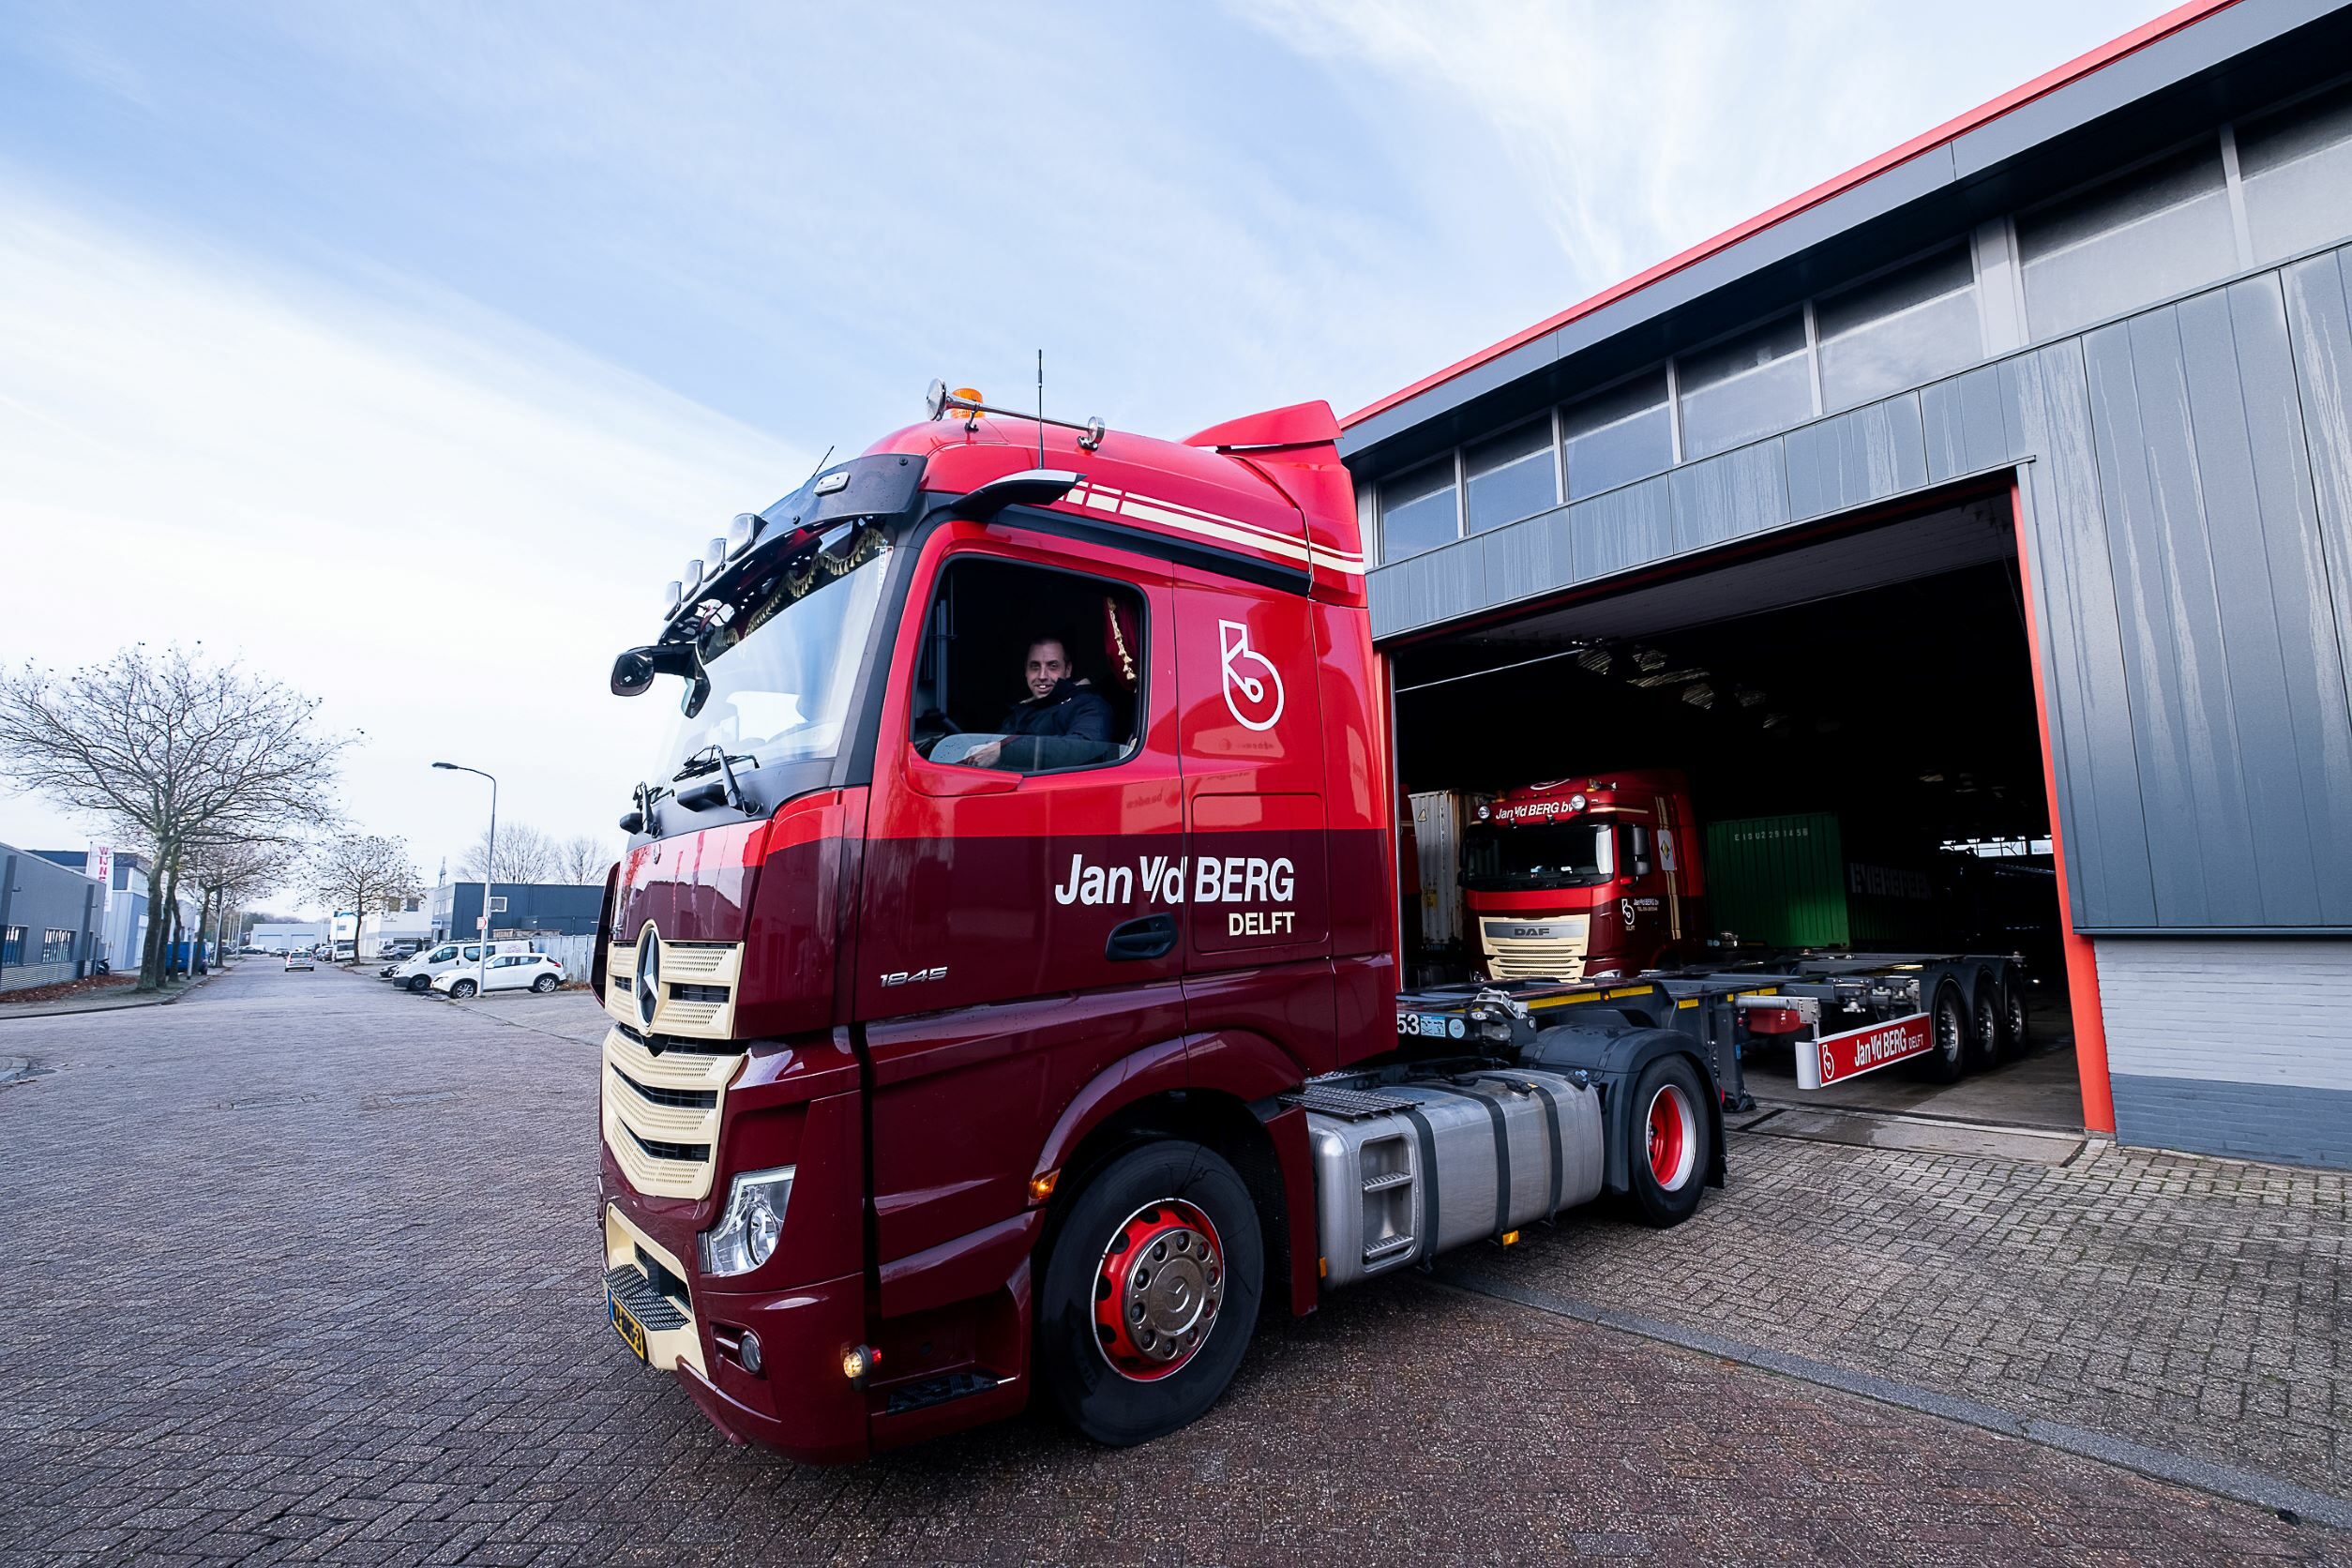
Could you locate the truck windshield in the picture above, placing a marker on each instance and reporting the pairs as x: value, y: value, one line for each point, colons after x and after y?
x: 781, y: 653
x: 1537, y: 855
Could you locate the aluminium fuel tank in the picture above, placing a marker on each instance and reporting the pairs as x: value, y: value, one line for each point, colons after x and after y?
x: 1406, y: 1170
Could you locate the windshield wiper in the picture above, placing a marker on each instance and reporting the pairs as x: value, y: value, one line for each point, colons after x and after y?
x: 716, y: 758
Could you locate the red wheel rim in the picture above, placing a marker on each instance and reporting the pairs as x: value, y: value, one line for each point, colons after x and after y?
x: 1157, y: 1291
x: 1673, y: 1137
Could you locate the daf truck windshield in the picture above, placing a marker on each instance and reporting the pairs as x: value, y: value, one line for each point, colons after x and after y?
x: 780, y: 654
x: 1537, y: 855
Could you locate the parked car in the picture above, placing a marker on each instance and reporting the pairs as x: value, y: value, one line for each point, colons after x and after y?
x: 300, y: 962
x: 416, y: 974
x: 507, y: 972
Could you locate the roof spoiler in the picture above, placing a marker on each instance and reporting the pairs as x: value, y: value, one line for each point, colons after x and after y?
x: 1299, y: 425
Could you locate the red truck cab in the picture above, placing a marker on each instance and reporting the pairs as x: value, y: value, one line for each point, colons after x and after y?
x: 951, y: 1016
x: 1587, y: 878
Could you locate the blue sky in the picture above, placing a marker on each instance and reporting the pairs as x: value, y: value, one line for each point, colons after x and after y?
x: 383, y: 326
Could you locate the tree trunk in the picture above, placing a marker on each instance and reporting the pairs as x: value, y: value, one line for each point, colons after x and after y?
x: 151, y: 948
x: 172, y: 921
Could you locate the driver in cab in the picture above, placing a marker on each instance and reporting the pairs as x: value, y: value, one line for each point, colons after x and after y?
x: 1061, y: 723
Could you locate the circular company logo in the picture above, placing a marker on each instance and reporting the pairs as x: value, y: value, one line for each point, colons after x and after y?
x: 1829, y: 1063
x: 646, y: 988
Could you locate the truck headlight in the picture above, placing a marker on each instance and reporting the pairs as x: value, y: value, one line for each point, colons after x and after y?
x: 745, y: 1236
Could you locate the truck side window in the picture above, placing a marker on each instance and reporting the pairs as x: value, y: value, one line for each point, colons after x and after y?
x: 1029, y: 670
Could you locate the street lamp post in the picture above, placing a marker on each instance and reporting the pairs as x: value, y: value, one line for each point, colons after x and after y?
x: 490, y: 867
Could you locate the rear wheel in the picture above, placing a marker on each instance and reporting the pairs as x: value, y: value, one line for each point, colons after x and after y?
x: 544, y: 984
x: 1151, y: 1294
x: 1985, y: 1043
x: 1671, y: 1152
x: 462, y: 988
x: 1950, y: 1030
x: 2014, y: 1025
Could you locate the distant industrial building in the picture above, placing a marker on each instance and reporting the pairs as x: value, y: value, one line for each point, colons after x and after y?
x: 518, y: 909
x: 49, y: 920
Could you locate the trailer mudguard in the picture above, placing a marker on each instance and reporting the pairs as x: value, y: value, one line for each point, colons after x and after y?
x: 1613, y: 1054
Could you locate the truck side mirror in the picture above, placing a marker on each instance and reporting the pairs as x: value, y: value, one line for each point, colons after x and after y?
x: 635, y: 670
x: 632, y: 672
x: 1637, y: 845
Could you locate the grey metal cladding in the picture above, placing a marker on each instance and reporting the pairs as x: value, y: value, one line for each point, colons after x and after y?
x: 2093, y: 753
x: 2320, y: 320
x: 2232, y: 659
x: 1620, y: 529
x: 2144, y: 460
x: 1971, y: 423
x: 1741, y: 491
x: 1436, y: 585
x: 1530, y: 556
x: 1875, y: 452
x: 2286, y: 658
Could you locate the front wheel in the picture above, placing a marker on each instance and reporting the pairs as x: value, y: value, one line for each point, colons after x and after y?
x: 1151, y: 1294
x: 461, y: 989
x: 419, y: 983
x: 1673, y: 1143
x: 544, y: 984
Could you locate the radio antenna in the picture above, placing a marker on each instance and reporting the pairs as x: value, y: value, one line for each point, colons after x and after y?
x: 1041, y: 408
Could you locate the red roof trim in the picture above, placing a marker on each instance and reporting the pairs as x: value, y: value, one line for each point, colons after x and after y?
x: 2081, y: 66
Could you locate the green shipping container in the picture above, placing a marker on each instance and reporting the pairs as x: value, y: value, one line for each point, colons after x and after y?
x: 1778, y: 882
x: 1811, y: 881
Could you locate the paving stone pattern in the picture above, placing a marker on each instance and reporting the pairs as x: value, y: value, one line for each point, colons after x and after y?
x: 305, y: 1271
x: 2197, y: 1306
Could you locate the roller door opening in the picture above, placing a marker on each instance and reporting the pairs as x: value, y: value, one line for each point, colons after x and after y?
x: 1833, y: 739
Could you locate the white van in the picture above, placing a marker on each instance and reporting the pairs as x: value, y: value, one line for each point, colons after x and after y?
x: 416, y: 974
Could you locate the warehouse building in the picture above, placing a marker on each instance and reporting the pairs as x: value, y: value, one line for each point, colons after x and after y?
x: 518, y: 909
x: 2001, y: 487
x: 50, y: 921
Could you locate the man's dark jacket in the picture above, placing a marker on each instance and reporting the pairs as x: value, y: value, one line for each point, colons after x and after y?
x: 1072, y: 727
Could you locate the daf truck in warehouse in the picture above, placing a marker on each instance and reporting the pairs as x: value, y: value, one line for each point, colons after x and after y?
x: 1002, y: 971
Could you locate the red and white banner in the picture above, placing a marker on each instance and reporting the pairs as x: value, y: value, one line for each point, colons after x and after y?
x: 1863, y: 1050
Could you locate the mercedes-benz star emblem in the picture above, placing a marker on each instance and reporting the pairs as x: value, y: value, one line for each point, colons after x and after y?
x: 647, y: 989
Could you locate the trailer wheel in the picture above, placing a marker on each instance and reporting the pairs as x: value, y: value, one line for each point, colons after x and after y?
x: 1953, y: 1029
x: 2014, y: 1025
x: 1151, y: 1294
x: 1667, y: 1168
x: 1985, y: 1043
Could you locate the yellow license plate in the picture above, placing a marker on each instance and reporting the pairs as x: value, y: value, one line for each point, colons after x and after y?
x: 632, y: 1333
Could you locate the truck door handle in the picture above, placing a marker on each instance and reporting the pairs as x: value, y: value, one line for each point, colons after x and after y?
x: 1150, y: 936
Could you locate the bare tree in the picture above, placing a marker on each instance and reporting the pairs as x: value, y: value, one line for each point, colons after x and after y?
x: 583, y: 859
x: 524, y: 855
x: 363, y: 873
x: 227, y: 874
x: 175, y: 750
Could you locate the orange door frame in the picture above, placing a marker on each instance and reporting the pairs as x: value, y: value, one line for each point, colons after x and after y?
x: 2082, y: 967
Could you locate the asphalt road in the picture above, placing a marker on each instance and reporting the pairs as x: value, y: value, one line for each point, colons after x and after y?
x: 306, y: 1271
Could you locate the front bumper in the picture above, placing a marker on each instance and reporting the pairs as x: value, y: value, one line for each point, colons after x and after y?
x: 799, y: 1402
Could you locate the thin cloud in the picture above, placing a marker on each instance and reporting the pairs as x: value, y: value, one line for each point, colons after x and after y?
x: 440, y: 525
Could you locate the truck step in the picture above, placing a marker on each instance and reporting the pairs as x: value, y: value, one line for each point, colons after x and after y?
x: 1387, y: 1249
x: 1393, y: 1178
x: 1329, y: 1100
x: 938, y: 1391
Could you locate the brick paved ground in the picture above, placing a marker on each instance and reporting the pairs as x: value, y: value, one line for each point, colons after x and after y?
x: 2196, y: 1305
x: 306, y: 1273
